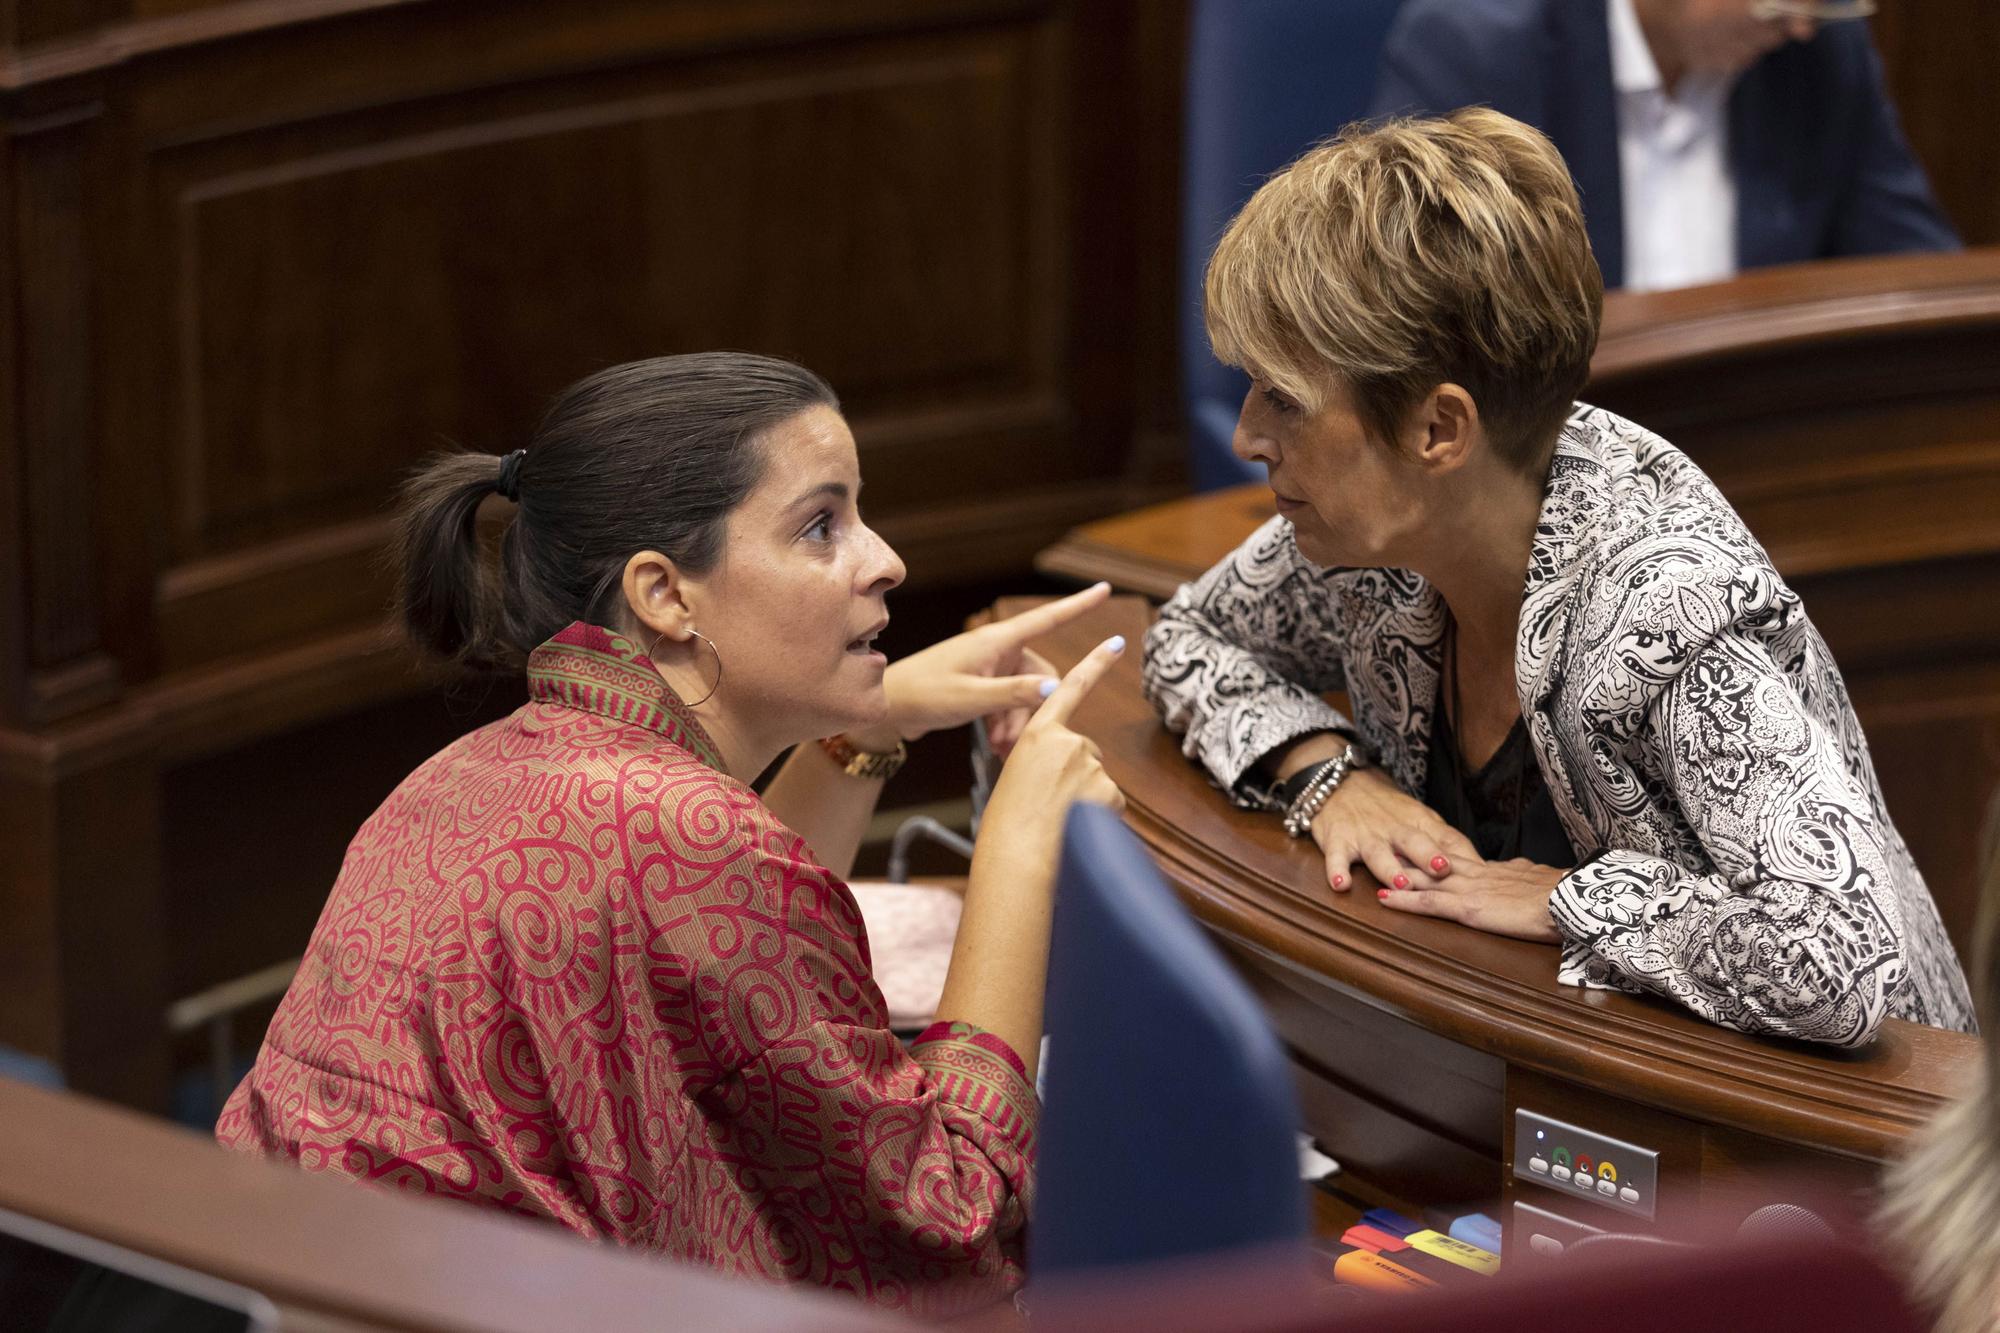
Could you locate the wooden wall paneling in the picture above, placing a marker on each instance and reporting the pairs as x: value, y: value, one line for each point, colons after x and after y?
x: 1935, y: 734
x: 80, y: 907
x: 1126, y: 221
x: 394, y: 234
x: 30, y: 1011
x: 14, y: 649
x: 55, y: 386
x: 1935, y: 58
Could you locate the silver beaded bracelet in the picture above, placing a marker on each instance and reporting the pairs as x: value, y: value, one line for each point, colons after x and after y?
x: 1306, y: 805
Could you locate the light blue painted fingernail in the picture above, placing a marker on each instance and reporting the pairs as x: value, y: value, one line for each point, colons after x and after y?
x: 1116, y: 643
x: 1047, y: 688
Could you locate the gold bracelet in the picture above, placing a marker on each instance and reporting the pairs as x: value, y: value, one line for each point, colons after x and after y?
x: 857, y: 763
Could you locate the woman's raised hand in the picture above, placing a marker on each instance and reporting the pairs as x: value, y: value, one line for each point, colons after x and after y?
x: 1051, y: 768
x: 1405, y: 844
x: 987, y: 672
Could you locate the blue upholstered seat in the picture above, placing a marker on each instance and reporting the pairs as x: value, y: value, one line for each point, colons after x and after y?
x: 1169, y: 1126
x: 1266, y: 79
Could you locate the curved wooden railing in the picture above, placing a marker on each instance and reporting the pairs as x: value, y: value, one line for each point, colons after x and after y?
x: 1265, y: 892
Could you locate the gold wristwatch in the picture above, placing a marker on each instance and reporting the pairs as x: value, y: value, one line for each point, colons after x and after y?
x: 864, y: 763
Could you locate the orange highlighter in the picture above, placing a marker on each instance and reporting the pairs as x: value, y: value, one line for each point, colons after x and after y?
x: 1359, y: 1268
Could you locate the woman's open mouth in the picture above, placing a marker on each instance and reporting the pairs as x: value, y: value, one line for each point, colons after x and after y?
x: 865, y: 645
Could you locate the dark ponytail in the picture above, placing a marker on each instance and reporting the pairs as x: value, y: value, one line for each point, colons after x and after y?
x: 648, y: 455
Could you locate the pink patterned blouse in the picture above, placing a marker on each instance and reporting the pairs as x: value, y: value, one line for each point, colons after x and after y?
x: 573, y: 970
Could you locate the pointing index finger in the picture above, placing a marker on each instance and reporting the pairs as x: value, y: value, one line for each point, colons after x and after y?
x: 1037, y: 621
x: 1081, y: 679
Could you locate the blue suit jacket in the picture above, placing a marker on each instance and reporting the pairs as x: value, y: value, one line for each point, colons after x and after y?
x: 1821, y: 166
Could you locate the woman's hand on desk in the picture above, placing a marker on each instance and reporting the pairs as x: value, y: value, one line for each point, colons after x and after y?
x: 988, y: 672
x: 1370, y: 821
x: 1500, y: 897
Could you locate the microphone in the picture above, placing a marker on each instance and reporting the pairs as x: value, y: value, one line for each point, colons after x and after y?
x: 1784, y: 1222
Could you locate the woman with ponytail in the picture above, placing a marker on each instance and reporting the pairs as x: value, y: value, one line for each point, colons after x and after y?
x: 575, y: 967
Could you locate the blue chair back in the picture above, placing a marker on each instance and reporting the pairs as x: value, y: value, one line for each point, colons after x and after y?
x: 1168, y: 1128
x: 1266, y: 79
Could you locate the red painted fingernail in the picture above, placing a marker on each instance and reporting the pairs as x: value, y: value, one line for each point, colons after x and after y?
x: 1381, y: 893
x: 1339, y: 880
x: 1439, y: 864
x: 1402, y: 881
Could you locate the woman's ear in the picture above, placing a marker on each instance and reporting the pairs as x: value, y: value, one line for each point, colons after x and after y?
x: 1448, y: 427
x: 655, y: 595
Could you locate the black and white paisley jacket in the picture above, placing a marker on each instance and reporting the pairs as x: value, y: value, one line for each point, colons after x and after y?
x: 1694, y: 732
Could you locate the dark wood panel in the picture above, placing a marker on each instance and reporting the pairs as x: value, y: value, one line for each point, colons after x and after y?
x: 442, y: 275
x: 50, y: 166
x: 244, y: 874
x: 83, y: 960
x: 350, y: 309
x: 1935, y: 738
x: 1411, y: 1112
x: 1936, y: 56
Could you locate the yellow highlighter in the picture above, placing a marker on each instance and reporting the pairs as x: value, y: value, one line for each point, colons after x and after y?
x: 1454, y: 1251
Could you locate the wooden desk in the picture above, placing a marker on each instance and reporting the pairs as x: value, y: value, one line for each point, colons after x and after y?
x: 333, y: 1255
x: 1851, y: 412
x: 1415, y: 1039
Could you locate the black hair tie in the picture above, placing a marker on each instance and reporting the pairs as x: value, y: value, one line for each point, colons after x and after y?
x: 509, y: 483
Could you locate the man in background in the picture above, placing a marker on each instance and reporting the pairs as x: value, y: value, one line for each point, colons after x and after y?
x: 1705, y: 136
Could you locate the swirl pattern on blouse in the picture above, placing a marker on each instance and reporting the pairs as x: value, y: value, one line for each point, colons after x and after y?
x: 1694, y: 732
x: 572, y: 970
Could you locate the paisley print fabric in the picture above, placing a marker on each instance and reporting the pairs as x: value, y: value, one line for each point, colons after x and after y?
x: 572, y: 970
x: 1693, y: 730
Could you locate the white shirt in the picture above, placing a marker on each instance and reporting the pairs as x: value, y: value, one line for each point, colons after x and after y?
x: 1673, y: 161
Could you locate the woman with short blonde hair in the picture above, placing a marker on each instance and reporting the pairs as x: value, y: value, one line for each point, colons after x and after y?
x: 1396, y: 254
x: 1585, y: 708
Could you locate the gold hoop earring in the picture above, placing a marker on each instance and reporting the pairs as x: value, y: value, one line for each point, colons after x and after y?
x: 711, y: 647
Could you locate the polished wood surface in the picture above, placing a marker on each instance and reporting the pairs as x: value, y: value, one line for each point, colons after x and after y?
x: 335, y: 1255
x: 1935, y: 57
x: 1414, y: 1038
x: 1851, y: 413
x: 263, y: 255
